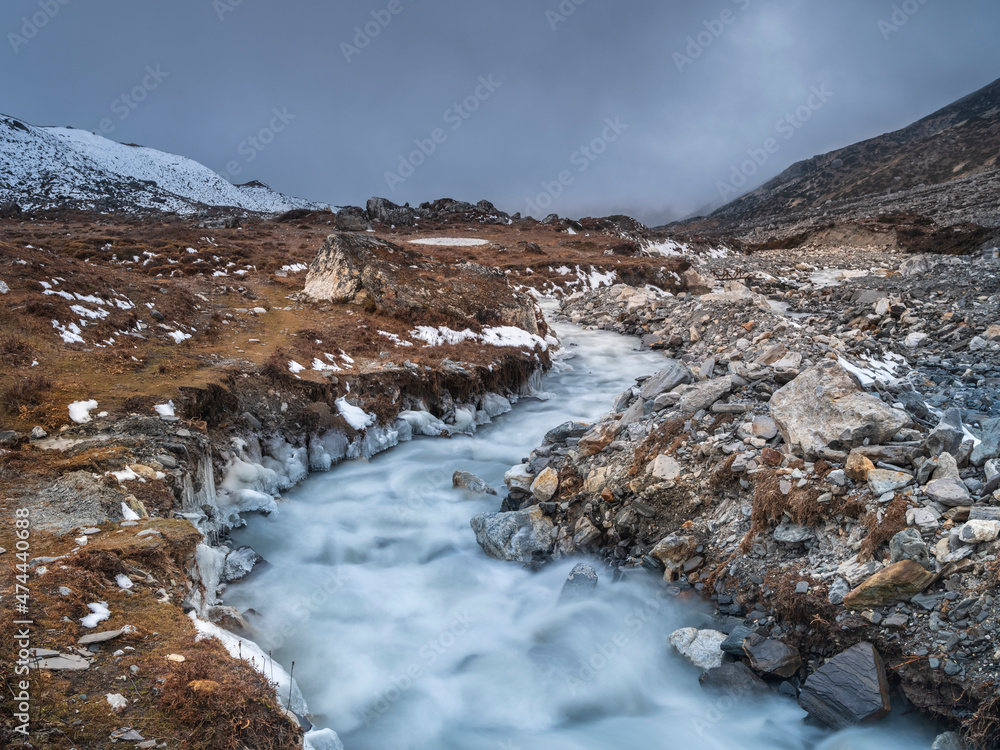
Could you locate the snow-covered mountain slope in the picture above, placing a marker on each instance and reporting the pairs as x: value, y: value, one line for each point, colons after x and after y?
x: 64, y: 167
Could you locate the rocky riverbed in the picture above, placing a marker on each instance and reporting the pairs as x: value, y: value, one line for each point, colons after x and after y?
x: 819, y: 456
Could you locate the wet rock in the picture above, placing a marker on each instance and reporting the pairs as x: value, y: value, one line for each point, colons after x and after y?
x: 239, y: 563
x: 469, y: 482
x: 898, y: 581
x: 849, y: 689
x: 950, y: 492
x: 567, y: 430
x: 700, y: 647
x: 909, y: 545
x: 976, y: 532
x: 734, y: 642
x: 825, y: 407
x: 948, y: 741
x: 734, y: 680
x: 516, y: 536
x: 770, y: 656
x: 546, y: 485
x: 580, y: 584
x: 676, y: 373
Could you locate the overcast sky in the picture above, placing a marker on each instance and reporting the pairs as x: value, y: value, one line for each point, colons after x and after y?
x: 665, y: 96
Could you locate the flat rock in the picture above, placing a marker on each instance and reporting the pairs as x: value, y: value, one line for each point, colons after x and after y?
x: 881, y: 481
x: 700, y: 647
x: 63, y: 662
x: 949, y: 491
x: 734, y: 642
x: 898, y: 581
x: 849, y: 689
x: 674, y: 374
x: 92, y: 638
x: 825, y: 407
x: 694, y: 398
x: 793, y: 533
x: 665, y: 468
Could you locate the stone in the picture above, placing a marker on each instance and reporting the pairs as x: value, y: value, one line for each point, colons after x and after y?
x: 992, y: 332
x: 665, y: 468
x: 469, y: 482
x: 915, y: 340
x: 925, y: 518
x: 764, y: 427
x: 946, y: 468
x: 735, y: 680
x: 580, y: 584
x: 948, y: 741
x: 977, y: 344
x: 700, y: 647
x: 694, y: 398
x: 240, y: 562
x: 898, y: 581
x: 918, y: 265
x: 793, y: 533
x: 858, y: 466
x: 849, y: 689
x: 950, y: 492
x: 734, y: 642
x: 519, y: 478
x: 595, y: 441
x: 516, y: 536
x: 976, y: 532
x: 838, y: 590
x: 947, y: 436
x: 674, y: 374
x: 38, y: 433
x: 117, y: 701
x: 546, y: 485
x: 989, y: 445
x: 386, y: 212
x: 824, y: 407
x: 883, y: 480
x: 92, y: 638
x: 567, y: 430
x: 770, y: 656
x: 909, y: 545
x: 62, y: 662
x: 673, y: 551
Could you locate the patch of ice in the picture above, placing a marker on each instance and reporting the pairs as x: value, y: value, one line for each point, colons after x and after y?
x: 449, y: 241
x: 165, y: 410
x: 79, y: 411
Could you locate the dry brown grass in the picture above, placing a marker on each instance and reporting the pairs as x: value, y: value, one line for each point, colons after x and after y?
x: 893, y: 521
x: 23, y: 394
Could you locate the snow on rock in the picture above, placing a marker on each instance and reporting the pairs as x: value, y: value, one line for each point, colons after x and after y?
x: 495, y: 336
x: 355, y: 416
x: 99, y: 612
x: 323, y: 739
x: 241, y: 648
x: 128, y: 514
x: 84, y: 170
x: 4, y: 288
x: 79, y: 411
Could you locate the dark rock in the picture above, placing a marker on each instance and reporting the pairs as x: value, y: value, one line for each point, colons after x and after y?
x: 849, y: 689
x: 8, y: 437
x: 566, y: 431
x: 990, y: 445
x: 947, y: 437
x: 909, y: 545
x: 579, y: 585
x: 385, y: 211
x: 733, y: 679
x: 734, y: 643
x: 465, y: 480
x: 352, y: 219
x: 674, y: 374
x: 771, y: 657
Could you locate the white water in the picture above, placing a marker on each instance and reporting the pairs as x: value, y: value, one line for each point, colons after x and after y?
x: 405, y: 636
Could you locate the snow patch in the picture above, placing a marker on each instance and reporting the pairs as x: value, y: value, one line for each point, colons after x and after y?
x: 79, y: 411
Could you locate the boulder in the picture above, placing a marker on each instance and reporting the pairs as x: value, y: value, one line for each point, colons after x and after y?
x: 464, y: 480
x: 385, y: 211
x: 351, y: 219
x: 918, y: 265
x: 849, y: 689
x: 858, y: 466
x: 694, y: 398
x: 989, y: 446
x: 673, y: 551
x: 948, y: 491
x: 566, y: 431
x: 947, y: 436
x: 900, y: 580
x: 546, y: 485
x: 519, y: 478
x: 909, y: 545
x: 825, y: 407
x: 700, y: 647
x: 599, y: 438
x: 769, y: 656
x: 674, y: 374
x: 976, y: 532
x: 734, y: 642
x: 734, y: 680
x: 580, y: 584
x: 517, y: 536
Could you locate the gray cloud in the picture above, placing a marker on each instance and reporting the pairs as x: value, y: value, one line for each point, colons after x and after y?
x: 562, y: 77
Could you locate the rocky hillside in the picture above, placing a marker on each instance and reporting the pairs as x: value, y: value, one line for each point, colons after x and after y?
x: 943, y: 168
x: 67, y: 168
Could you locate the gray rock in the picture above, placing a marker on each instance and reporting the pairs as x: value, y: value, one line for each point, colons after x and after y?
x: 385, y: 211
x: 733, y: 680
x: 825, y: 407
x: 950, y: 492
x: 976, y: 532
x: 516, y: 536
x: 990, y: 445
x: 909, y: 545
x: 63, y: 662
x: 694, y: 398
x: 792, y: 533
x: 8, y: 437
x: 764, y: 427
x: 239, y: 563
x: 770, y: 656
x: 567, y: 430
x: 734, y: 643
x: 38, y: 433
x: 580, y: 584
x: 838, y: 590
x: 674, y: 374
x: 883, y: 480
x: 948, y: 435
x: 849, y: 689
x: 92, y: 638
x: 352, y: 219
x: 948, y: 741
x: 469, y: 482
